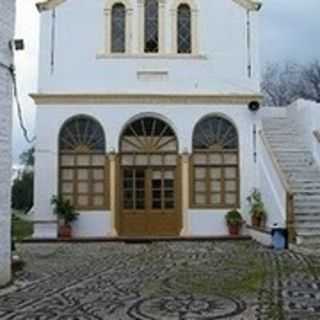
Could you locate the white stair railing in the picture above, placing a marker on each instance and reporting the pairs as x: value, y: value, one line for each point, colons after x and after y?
x: 274, y: 184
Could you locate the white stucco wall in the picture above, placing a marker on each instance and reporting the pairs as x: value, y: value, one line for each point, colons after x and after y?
x: 220, y: 66
x: 306, y: 115
x: 113, y: 119
x: 7, y: 14
x: 273, y: 192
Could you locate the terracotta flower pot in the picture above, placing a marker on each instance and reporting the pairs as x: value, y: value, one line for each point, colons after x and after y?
x: 65, y: 231
x: 234, y: 229
x: 258, y: 221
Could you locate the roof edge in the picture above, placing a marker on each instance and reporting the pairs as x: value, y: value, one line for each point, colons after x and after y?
x: 46, y: 5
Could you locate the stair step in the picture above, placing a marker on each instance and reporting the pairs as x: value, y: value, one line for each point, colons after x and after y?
x: 309, y: 224
x: 306, y: 211
x: 298, y: 165
x: 308, y: 233
x: 299, y: 197
x: 308, y: 240
x: 306, y: 190
x: 308, y: 219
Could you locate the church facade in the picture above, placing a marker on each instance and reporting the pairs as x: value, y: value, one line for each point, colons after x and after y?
x: 146, y: 115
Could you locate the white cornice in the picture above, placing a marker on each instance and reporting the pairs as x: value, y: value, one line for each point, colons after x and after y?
x: 143, y: 99
x: 253, y: 5
x: 50, y: 4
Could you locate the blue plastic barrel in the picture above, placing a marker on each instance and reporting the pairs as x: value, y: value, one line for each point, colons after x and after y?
x: 279, y: 238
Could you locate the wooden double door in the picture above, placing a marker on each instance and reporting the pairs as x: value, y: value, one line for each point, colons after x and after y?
x: 150, y: 201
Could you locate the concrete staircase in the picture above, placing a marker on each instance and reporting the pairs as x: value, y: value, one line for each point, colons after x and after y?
x: 303, y: 175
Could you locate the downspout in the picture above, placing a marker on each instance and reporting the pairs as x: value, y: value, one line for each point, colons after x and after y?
x: 249, y: 55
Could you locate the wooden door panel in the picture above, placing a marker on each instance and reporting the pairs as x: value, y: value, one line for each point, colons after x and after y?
x: 150, y: 201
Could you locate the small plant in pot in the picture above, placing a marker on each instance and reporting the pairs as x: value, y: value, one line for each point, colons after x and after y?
x: 234, y: 221
x: 257, y: 210
x: 66, y: 214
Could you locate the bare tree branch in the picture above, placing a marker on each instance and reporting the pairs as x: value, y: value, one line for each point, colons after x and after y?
x: 283, y: 84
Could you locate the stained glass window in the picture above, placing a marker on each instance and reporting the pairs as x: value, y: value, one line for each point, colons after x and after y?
x: 118, y: 28
x: 184, y: 29
x: 151, y: 26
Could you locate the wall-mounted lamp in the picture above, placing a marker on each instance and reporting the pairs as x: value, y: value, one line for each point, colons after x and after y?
x: 16, y: 44
x: 254, y: 106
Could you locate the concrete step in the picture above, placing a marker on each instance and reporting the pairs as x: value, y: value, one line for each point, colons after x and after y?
x: 305, y: 188
x: 295, y: 159
x: 288, y: 149
x: 305, y: 193
x: 308, y: 198
x: 307, y: 219
x: 280, y: 140
x: 307, y: 225
x: 307, y: 208
x: 308, y: 232
x: 296, y: 168
x: 306, y: 211
x: 307, y: 183
x: 304, y: 175
x: 297, y: 163
x: 308, y: 239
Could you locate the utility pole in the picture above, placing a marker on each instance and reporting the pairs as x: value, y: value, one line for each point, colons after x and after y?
x: 7, y: 24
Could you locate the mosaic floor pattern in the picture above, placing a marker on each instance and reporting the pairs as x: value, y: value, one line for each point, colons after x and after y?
x: 162, y: 281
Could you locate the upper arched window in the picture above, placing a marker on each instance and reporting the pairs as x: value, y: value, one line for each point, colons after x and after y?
x: 215, y: 159
x: 82, y: 161
x: 151, y: 26
x: 118, y: 28
x: 184, y: 34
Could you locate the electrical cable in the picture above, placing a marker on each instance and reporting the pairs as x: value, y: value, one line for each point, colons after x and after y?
x: 12, y: 72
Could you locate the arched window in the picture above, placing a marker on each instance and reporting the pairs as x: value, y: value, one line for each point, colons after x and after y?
x: 82, y: 163
x: 151, y: 26
x: 118, y: 28
x: 184, y: 37
x: 215, y: 164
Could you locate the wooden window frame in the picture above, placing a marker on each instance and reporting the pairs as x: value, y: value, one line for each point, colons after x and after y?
x: 75, y: 181
x: 208, y: 179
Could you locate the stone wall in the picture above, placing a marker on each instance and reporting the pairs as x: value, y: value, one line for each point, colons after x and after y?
x: 7, y: 14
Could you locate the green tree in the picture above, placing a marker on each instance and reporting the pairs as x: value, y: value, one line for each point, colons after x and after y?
x: 27, y: 157
x: 22, y: 188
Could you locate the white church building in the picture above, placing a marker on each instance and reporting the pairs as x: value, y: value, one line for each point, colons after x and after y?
x: 148, y: 121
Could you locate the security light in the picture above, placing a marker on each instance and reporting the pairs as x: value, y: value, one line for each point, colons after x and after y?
x: 16, y: 44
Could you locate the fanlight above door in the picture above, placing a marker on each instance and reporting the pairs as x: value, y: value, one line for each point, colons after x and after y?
x: 215, y: 133
x: 82, y: 134
x: 148, y: 135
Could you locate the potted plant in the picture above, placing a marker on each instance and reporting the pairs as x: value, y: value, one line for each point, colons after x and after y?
x: 66, y: 214
x: 234, y: 221
x: 257, y: 210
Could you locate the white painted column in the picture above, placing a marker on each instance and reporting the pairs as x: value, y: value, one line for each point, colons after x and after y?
x: 173, y: 13
x: 129, y: 19
x: 113, y: 192
x: 140, y: 26
x: 107, y: 33
x: 7, y: 19
x: 194, y: 32
x: 162, y: 26
x: 185, y: 190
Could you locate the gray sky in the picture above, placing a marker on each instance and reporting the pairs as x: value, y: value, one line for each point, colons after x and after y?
x: 289, y: 31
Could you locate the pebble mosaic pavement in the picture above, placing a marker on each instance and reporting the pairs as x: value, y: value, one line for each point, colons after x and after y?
x: 162, y: 281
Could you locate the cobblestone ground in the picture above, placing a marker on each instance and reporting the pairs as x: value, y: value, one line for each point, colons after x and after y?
x: 162, y: 281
